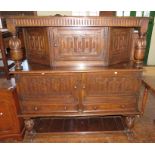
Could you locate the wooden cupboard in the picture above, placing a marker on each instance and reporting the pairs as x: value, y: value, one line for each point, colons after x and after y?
x: 10, y: 125
x: 78, y: 66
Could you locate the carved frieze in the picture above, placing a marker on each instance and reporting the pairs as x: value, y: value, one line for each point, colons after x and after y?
x: 75, y: 21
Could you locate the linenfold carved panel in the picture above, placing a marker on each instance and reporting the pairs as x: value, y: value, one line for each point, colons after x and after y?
x: 120, y: 44
x: 37, y: 45
x: 49, y: 88
x: 101, y: 84
x: 86, y: 44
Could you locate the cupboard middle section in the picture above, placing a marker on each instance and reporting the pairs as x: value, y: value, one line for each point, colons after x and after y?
x: 71, y: 46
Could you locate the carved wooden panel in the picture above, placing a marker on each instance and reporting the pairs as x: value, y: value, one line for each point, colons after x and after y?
x: 37, y: 49
x: 112, y: 83
x: 52, y: 91
x: 120, y: 45
x: 111, y: 91
x: 74, y: 45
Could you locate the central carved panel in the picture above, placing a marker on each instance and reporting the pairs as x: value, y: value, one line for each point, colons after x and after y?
x: 80, y: 44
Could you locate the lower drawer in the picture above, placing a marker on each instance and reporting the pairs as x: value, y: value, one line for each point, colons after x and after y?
x: 47, y: 108
x: 109, y: 107
x: 111, y: 104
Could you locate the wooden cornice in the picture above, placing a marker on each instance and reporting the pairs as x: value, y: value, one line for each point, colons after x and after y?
x: 36, y: 21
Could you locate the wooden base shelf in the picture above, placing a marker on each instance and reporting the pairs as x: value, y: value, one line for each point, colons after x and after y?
x: 79, y: 125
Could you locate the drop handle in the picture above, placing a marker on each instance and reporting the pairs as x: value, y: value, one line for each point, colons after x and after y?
x: 95, y: 108
x: 1, y: 113
x: 75, y: 87
x: 35, y: 108
x: 123, y: 106
x: 83, y: 86
x: 65, y: 108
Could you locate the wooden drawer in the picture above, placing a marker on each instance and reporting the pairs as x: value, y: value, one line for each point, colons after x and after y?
x: 111, y: 104
x: 47, y: 108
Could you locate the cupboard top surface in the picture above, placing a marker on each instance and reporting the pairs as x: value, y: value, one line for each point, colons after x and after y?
x: 38, y: 68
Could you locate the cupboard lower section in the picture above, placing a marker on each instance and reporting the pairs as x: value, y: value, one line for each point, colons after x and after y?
x: 79, y: 94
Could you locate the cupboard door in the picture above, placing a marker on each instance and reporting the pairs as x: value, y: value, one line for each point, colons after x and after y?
x: 49, y: 92
x: 120, y: 45
x: 36, y: 44
x: 74, y: 45
x: 7, y: 116
x: 111, y: 91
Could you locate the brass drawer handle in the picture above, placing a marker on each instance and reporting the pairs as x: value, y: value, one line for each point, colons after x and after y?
x: 95, y: 108
x: 65, y: 108
x: 75, y: 87
x: 1, y: 113
x: 123, y: 106
x: 84, y: 87
x: 35, y: 108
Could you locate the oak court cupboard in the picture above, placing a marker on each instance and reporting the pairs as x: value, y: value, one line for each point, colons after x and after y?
x: 78, y: 66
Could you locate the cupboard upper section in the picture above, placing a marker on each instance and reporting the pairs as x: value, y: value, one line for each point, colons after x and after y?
x: 73, y: 41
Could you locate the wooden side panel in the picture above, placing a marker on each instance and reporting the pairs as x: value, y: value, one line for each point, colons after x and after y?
x: 36, y: 44
x: 75, y: 45
x: 120, y: 45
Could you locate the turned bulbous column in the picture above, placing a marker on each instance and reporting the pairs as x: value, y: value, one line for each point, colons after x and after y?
x: 16, y: 52
x: 140, y: 50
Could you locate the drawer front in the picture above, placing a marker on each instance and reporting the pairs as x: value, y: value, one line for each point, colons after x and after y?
x: 47, y: 108
x: 111, y: 104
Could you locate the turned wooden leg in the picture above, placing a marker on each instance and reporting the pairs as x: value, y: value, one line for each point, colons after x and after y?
x: 140, y: 50
x: 29, y: 124
x: 130, y: 120
x: 16, y: 52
